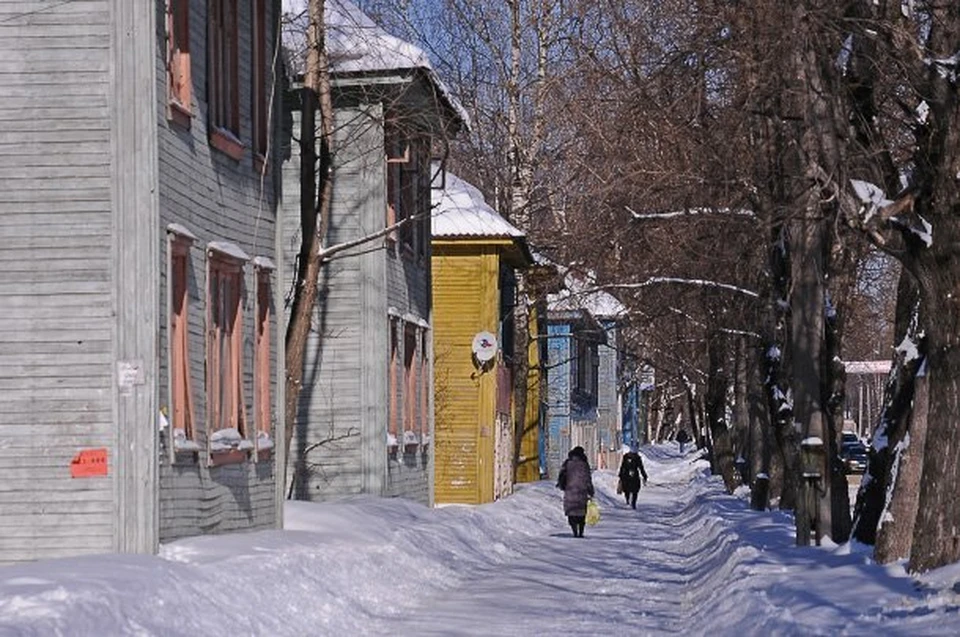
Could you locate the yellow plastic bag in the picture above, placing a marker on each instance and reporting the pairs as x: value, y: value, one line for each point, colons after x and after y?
x: 593, y: 512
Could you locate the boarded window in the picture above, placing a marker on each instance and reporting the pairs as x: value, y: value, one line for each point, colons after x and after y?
x: 259, y: 79
x: 410, y: 388
x: 223, y: 77
x: 394, y: 415
x: 262, y: 377
x: 424, y: 386
x: 181, y: 391
x: 179, y: 82
x: 407, y: 189
x: 225, y: 404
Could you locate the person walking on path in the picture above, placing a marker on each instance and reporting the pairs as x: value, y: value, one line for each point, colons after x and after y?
x: 682, y: 438
x: 631, y: 471
x: 577, y: 486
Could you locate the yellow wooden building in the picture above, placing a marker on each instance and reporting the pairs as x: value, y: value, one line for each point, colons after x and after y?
x: 475, y: 255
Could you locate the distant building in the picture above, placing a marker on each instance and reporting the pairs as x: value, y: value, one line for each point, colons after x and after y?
x: 864, y: 394
x: 583, y: 378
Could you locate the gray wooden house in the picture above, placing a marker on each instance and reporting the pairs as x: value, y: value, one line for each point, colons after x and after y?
x: 365, y: 419
x: 138, y: 332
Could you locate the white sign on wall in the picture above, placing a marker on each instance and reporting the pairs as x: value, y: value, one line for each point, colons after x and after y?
x: 484, y: 346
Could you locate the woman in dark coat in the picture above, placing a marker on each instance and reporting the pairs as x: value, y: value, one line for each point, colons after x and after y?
x: 631, y: 470
x: 577, y: 486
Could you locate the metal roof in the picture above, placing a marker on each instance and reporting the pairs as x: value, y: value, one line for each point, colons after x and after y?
x: 460, y: 211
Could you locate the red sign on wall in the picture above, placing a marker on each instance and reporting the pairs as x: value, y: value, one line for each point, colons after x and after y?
x: 89, y: 463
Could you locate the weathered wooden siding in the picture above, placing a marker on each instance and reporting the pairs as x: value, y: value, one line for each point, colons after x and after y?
x: 608, y: 409
x: 344, y: 403
x: 56, y: 323
x: 408, y: 293
x: 219, y: 199
x: 466, y: 301
x: 559, y: 351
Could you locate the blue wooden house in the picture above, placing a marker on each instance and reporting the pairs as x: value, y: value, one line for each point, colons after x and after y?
x: 365, y: 417
x: 584, y: 405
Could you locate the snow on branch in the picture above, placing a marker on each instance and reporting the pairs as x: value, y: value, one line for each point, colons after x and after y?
x: 946, y: 67
x: 691, y: 212
x: 663, y: 280
x: 874, y: 203
x: 871, y: 198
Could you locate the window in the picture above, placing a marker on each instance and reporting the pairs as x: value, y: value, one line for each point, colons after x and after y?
x: 226, y: 412
x: 179, y: 86
x: 407, y: 194
x: 424, y: 387
x: 259, y: 80
x: 394, y: 388
x: 178, y: 336
x: 262, y: 353
x: 222, y: 80
x: 410, y: 393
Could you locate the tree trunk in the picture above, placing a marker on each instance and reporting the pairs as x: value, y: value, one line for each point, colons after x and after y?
x: 521, y: 369
x: 743, y: 451
x: 761, y: 438
x: 835, y: 391
x: 314, y: 211
x: 806, y: 352
x: 718, y: 382
x: 933, y: 261
x: 936, y: 539
x: 895, y: 532
x: 894, y: 423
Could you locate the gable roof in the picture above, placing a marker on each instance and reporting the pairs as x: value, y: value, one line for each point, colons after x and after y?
x: 460, y: 212
x: 357, y: 45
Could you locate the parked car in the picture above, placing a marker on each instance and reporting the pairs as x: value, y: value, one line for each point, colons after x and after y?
x: 848, y: 437
x: 854, y: 457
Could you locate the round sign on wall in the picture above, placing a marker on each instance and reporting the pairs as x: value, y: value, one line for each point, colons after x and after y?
x: 484, y: 346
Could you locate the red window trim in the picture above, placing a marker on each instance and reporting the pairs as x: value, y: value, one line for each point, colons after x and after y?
x: 394, y: 416
x: 259, y: 118
x: 424, y: 386
x: 226, y: 406
x: 262, y: 398
x: 223, y: 70
x: 224, y: 141
x: 179, y: 76
x: 410, y: 387
x: 180, y: 383
x: 405, y: 159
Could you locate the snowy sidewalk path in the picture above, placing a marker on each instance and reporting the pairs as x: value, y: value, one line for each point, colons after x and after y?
x: 646, y: 570
x: 690, y: 560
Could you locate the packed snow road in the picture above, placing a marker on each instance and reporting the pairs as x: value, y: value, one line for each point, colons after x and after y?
x: 691, y: 560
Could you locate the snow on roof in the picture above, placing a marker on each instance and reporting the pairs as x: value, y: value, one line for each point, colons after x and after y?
x: 356, y: 44
x: 580, y: 293
x: 462, y: 212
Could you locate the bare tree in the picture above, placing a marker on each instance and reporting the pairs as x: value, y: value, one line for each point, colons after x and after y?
x: 315, y: 199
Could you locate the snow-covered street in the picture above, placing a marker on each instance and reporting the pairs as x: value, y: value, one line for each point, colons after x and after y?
x: 690, y: 560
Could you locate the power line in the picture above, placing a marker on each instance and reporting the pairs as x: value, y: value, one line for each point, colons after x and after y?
x: 16, y: 16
